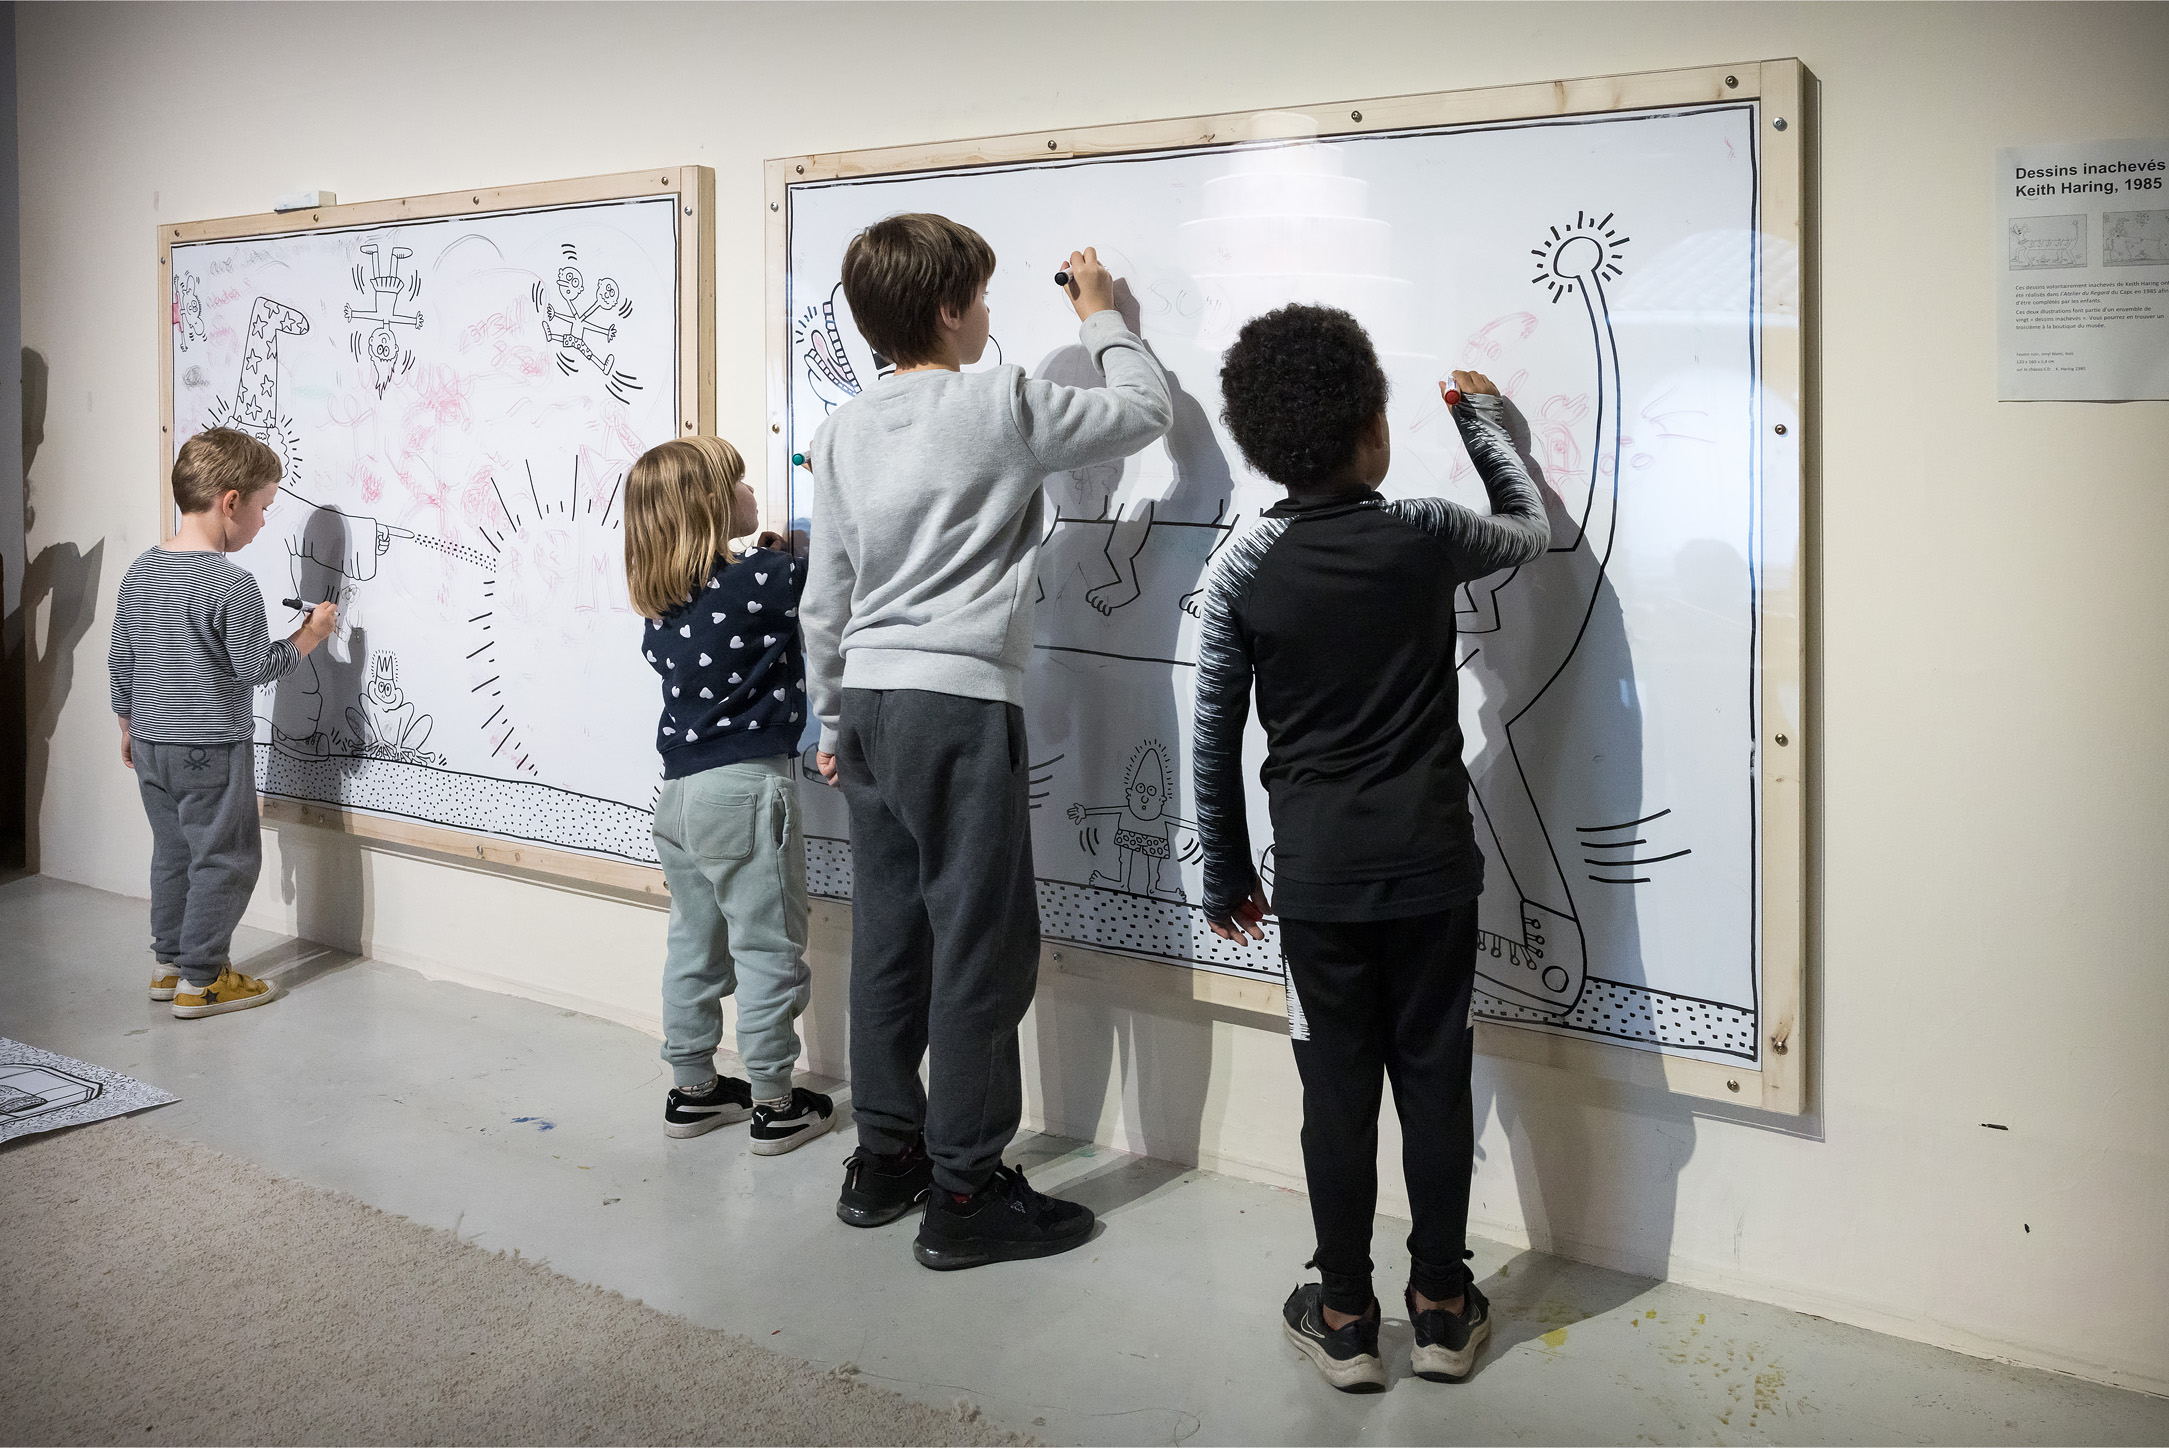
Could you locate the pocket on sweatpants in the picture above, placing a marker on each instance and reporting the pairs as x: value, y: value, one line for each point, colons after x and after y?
x: 721, y: 823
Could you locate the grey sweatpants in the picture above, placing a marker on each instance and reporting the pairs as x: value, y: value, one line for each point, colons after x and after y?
x: 944, y: 923
x: 206, y: 848
x: 735, y: 860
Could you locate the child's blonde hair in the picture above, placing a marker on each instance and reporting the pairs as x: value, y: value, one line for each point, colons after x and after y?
x: 681, y: 510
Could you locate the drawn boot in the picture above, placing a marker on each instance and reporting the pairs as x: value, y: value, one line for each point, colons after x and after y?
x: 1545, y: 969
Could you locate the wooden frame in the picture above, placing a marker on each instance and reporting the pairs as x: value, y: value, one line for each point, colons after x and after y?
x: 1786, y: 707
x: 695, y: 188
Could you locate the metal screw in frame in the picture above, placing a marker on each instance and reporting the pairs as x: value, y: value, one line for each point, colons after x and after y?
x: 1355, y: 115
x: 1779, y: 123
x: 1052, y: 146
x: 1732, y: 82
x: 1781, y: 429
x: 1782, y: 740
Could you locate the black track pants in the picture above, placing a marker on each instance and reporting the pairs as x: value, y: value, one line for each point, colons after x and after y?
x: 1377, y: 999
x: 944, y: 923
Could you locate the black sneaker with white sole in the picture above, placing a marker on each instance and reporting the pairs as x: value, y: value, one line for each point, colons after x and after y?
x: 685, y: 1114
x: 1347, y: 1355
x: 778, y: 1129
x: 1446, y: 1342
x: 1004, y: 1221
x: 878, y: 1189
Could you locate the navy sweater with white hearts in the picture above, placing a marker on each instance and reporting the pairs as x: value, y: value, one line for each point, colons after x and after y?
x: 734, y: 672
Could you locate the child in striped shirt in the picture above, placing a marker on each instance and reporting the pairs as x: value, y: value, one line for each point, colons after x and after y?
x: 189, y: 644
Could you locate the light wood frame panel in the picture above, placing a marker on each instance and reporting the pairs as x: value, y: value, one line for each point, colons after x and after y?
x: 695, y: 188
x: 1786, y: 706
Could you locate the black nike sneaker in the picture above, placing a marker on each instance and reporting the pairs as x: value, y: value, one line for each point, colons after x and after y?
x: 729, y: 1100
x: 1346, y: 1355
x: 778, y: 1129
x: 878, y: 1189
x: 1446, y: 1342
x: 1003, y: 1221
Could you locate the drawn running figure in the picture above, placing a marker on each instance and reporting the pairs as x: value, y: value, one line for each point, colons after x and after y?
x: 1146, y: 836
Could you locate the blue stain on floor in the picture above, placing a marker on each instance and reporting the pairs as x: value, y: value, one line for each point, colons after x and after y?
x: 540, y: 1124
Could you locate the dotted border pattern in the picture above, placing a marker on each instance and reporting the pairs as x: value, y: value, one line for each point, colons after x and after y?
x: 509, y: 809
x: 1090, y: 915
x: 1636, y: 1013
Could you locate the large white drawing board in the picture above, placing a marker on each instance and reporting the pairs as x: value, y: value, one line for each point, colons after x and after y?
x: 456, y: 386
x: 1622, y: 257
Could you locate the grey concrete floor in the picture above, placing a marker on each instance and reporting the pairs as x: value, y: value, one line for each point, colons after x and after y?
x: 521, y: 1125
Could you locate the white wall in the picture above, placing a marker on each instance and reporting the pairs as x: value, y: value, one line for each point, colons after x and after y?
x: 1995, y: 942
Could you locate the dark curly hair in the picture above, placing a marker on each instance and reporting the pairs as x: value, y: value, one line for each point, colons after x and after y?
x: 1297, y: 389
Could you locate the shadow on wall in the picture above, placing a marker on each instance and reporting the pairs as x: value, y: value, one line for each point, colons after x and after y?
x: 59, y: 603
x: 14, y: 629
x: 1098, y: 1057
x: 1586, y: 1191
x: 325, y: 875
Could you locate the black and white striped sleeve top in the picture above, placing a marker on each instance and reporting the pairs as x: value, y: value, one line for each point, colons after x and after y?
x: 189, y: 644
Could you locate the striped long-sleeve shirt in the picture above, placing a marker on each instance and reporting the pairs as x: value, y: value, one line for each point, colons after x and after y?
x: 1340, y: 610
x: 189, y: 643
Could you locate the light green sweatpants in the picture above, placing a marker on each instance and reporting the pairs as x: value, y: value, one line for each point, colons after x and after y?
x: 735, y: 862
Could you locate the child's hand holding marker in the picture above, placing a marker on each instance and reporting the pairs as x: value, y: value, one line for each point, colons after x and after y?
x: 1091, y: 287
x: 1467, y: 383
x: 318, y: 626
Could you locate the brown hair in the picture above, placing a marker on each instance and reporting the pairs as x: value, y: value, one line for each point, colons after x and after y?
x: 898, y: 274
x: 218, y: 461
x: 680, y: 512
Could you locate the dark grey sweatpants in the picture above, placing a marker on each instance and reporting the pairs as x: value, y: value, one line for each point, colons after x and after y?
x: 206, y: 848
x: 944, y: 923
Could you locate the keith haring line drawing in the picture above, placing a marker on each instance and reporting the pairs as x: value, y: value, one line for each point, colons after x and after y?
x: 255, y: 406
x: 575, y: 331
x: 387, y: 357
x: 187, y: 309
x: 837, y: 362
x: 1544, y: 961
x: 1146, y: 835
x: 385, y: 723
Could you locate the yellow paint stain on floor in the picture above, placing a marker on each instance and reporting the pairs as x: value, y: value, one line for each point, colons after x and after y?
x: 1556, y: 1338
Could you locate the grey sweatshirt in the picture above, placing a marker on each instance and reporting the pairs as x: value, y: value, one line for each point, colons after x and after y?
x: 927, y: 518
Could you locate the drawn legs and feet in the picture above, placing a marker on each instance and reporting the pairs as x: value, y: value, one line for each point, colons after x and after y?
x: 1126, y: 539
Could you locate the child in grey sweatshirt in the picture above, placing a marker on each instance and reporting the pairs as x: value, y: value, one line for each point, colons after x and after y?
x: 917, y: 618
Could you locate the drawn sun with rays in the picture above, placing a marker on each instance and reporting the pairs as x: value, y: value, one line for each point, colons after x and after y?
x: 553, y: 600
x: 1586, y: 252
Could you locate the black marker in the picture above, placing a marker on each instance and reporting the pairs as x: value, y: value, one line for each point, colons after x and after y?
x: 297, y: 603
x: 1061, y: 278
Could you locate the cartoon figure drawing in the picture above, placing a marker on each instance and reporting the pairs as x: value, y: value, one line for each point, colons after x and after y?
x: 384, y: 722
x: 187, y: 309
x: 386, y: 356
x: 570, y: 328
x: 1540, y: 959
x: 836, y: 361
x: 255, y: 406
x: 1147, y: 836
x: 574, y: 330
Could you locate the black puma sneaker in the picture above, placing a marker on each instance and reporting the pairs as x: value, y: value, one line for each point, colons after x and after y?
x: 1347, y: 1355
x: 1003, y: 1221
x: 1446, y: 1342
x: 778, y: 1129
x: 729, y: 1100
x: 878, y: 1189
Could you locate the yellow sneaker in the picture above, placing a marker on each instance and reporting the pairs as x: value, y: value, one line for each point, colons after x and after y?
x: 232, y: 991
x: 165, y: 980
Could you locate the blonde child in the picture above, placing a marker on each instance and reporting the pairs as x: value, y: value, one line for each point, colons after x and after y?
x: 723, y: 634
x: 189, y: 646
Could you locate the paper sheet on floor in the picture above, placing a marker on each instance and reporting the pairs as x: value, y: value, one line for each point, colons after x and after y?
x: 40, y: 1091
